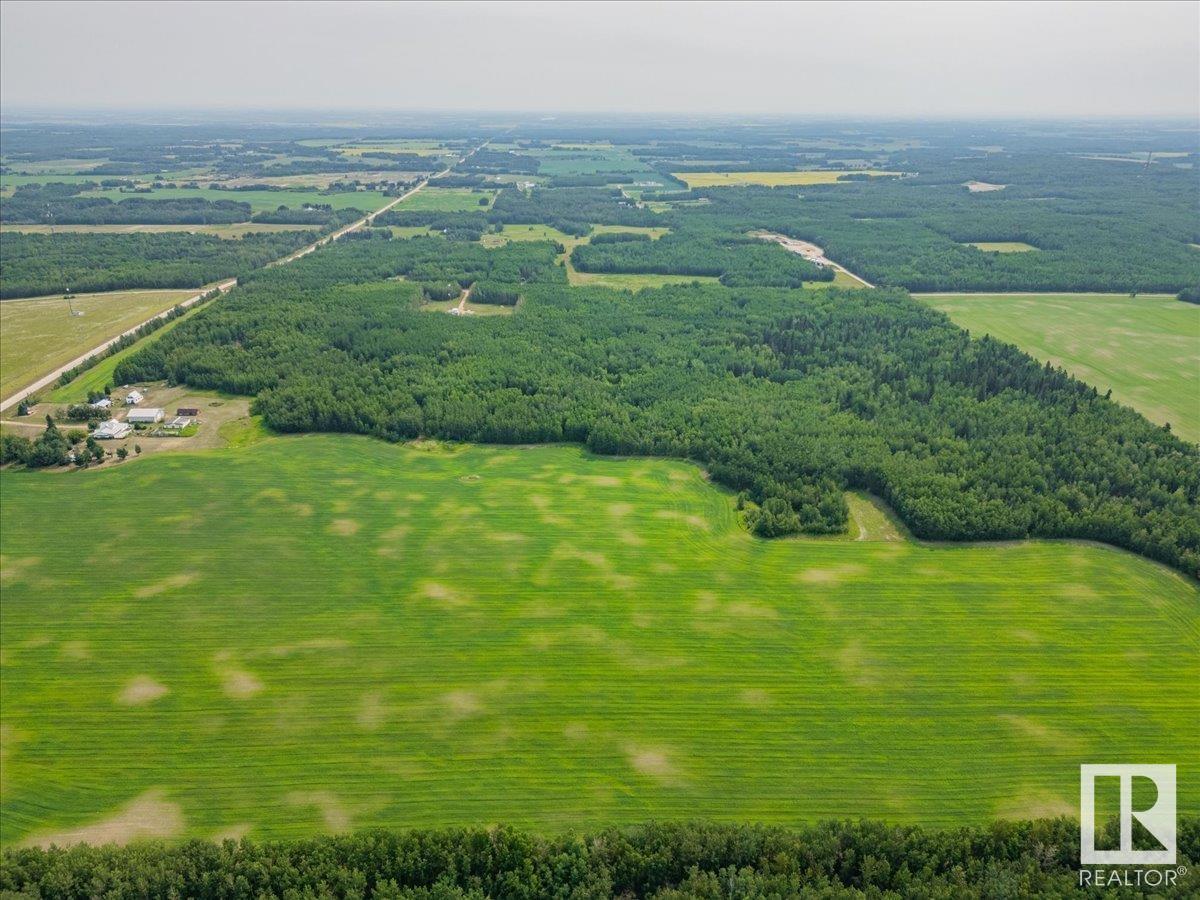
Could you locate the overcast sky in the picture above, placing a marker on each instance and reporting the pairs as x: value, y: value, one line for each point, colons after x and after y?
x: 797, y: 59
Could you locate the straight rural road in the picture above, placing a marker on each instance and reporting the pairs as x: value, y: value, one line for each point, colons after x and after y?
x: 225, y: 286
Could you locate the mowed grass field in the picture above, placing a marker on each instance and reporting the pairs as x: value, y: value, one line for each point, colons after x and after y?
x: 40, y: 334
x: 774, y: 179
x: 448, y: 200
x: 1146, y: 348
x: 322, y: 633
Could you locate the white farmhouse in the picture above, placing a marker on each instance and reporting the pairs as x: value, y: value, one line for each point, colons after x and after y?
x: 102, y: 403
x: 147, y: 416
x: 112, y: 430
x: 133, y: 398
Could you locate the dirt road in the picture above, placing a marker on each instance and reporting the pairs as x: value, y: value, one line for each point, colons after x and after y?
x: 812, y: 253
x: 225, y: 286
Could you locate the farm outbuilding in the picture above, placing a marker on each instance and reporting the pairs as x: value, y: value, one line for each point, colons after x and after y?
x: 133, y: 398
x: 190, y: 411
x: 102, y: 403
x: 147, y: 416
x: 111, y: 430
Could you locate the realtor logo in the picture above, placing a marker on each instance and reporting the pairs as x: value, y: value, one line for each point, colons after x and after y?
x: 1158, y: 820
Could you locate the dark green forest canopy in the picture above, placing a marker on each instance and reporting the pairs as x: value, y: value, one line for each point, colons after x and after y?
x: 865, y: 859
x: 1098, y: 226
x: 39, y: 264
x: 786, y: 394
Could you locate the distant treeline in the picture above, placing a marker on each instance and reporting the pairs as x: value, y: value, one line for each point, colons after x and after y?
x: 32, y: 202
x: 40, y: 264
x: 663, y: 861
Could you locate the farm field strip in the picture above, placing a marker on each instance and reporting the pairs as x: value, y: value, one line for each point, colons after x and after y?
x: 539, y: 636
x: 30, y: 328
x: 811, y: 176
x: 1145, y: 348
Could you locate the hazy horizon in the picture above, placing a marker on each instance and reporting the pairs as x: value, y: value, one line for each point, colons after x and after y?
x: 869, y: 61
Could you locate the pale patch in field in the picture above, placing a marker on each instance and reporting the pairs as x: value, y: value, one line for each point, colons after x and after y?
x: 75, y: 650
x: 140, y: 690
x: 1079, y: 591
x: 832, y: 575
x: 604, y: 480
x: 653, y: 761
x: 313, y: 644
x: 372, y: 712
x: 631, y: 538
x: 688, y: 518
x: 1048, y: 736
x: 333, y: 812
x: 236, y: 682
x: 304, y: 510
x: 755, y: 697
x: 576, y: 731
x: 443, y: 593
x: 855, y: 663
x: 344, y: 527
x: 620, y: 509
x: 506, y: 537
x: 150, y: 815
x: 706, y: 602
x: 461, y: 704
x: 271, y: 493
x: 171, y: 583
x: 232, y: 832
x: 1037, y: 804
x: 540, y: 501
x: 748, y: 609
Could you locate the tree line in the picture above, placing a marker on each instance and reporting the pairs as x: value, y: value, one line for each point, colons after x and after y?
x: 665, y: 861
x: 40, y: 264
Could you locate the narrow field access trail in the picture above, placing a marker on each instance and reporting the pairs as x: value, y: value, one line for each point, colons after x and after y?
x: 228, y: 284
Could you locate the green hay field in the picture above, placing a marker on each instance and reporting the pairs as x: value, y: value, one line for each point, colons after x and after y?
x: 1146, y: 348
x: 38, y: 335
x: 448, y: 200
x: 327, y: 632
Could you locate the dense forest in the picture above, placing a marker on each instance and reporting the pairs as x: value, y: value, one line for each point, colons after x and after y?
x: 61, y: 203
x: 736, y: 260
x: 39, y: 264
x: 1096, y: 226
x: 669, y: 862
x: 783, y: 394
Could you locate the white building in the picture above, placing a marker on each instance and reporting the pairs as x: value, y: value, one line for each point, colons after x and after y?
x: 147, y: 416
x: 133, y: 398
x: 102, y: 403
x: 112, y: 430
x: 178, y: 423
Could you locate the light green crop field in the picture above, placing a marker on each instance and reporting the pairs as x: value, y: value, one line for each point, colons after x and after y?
x: 38, y: 335
x: 327, y: 632
x: 448, y: 200
x: 1146, y: 348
